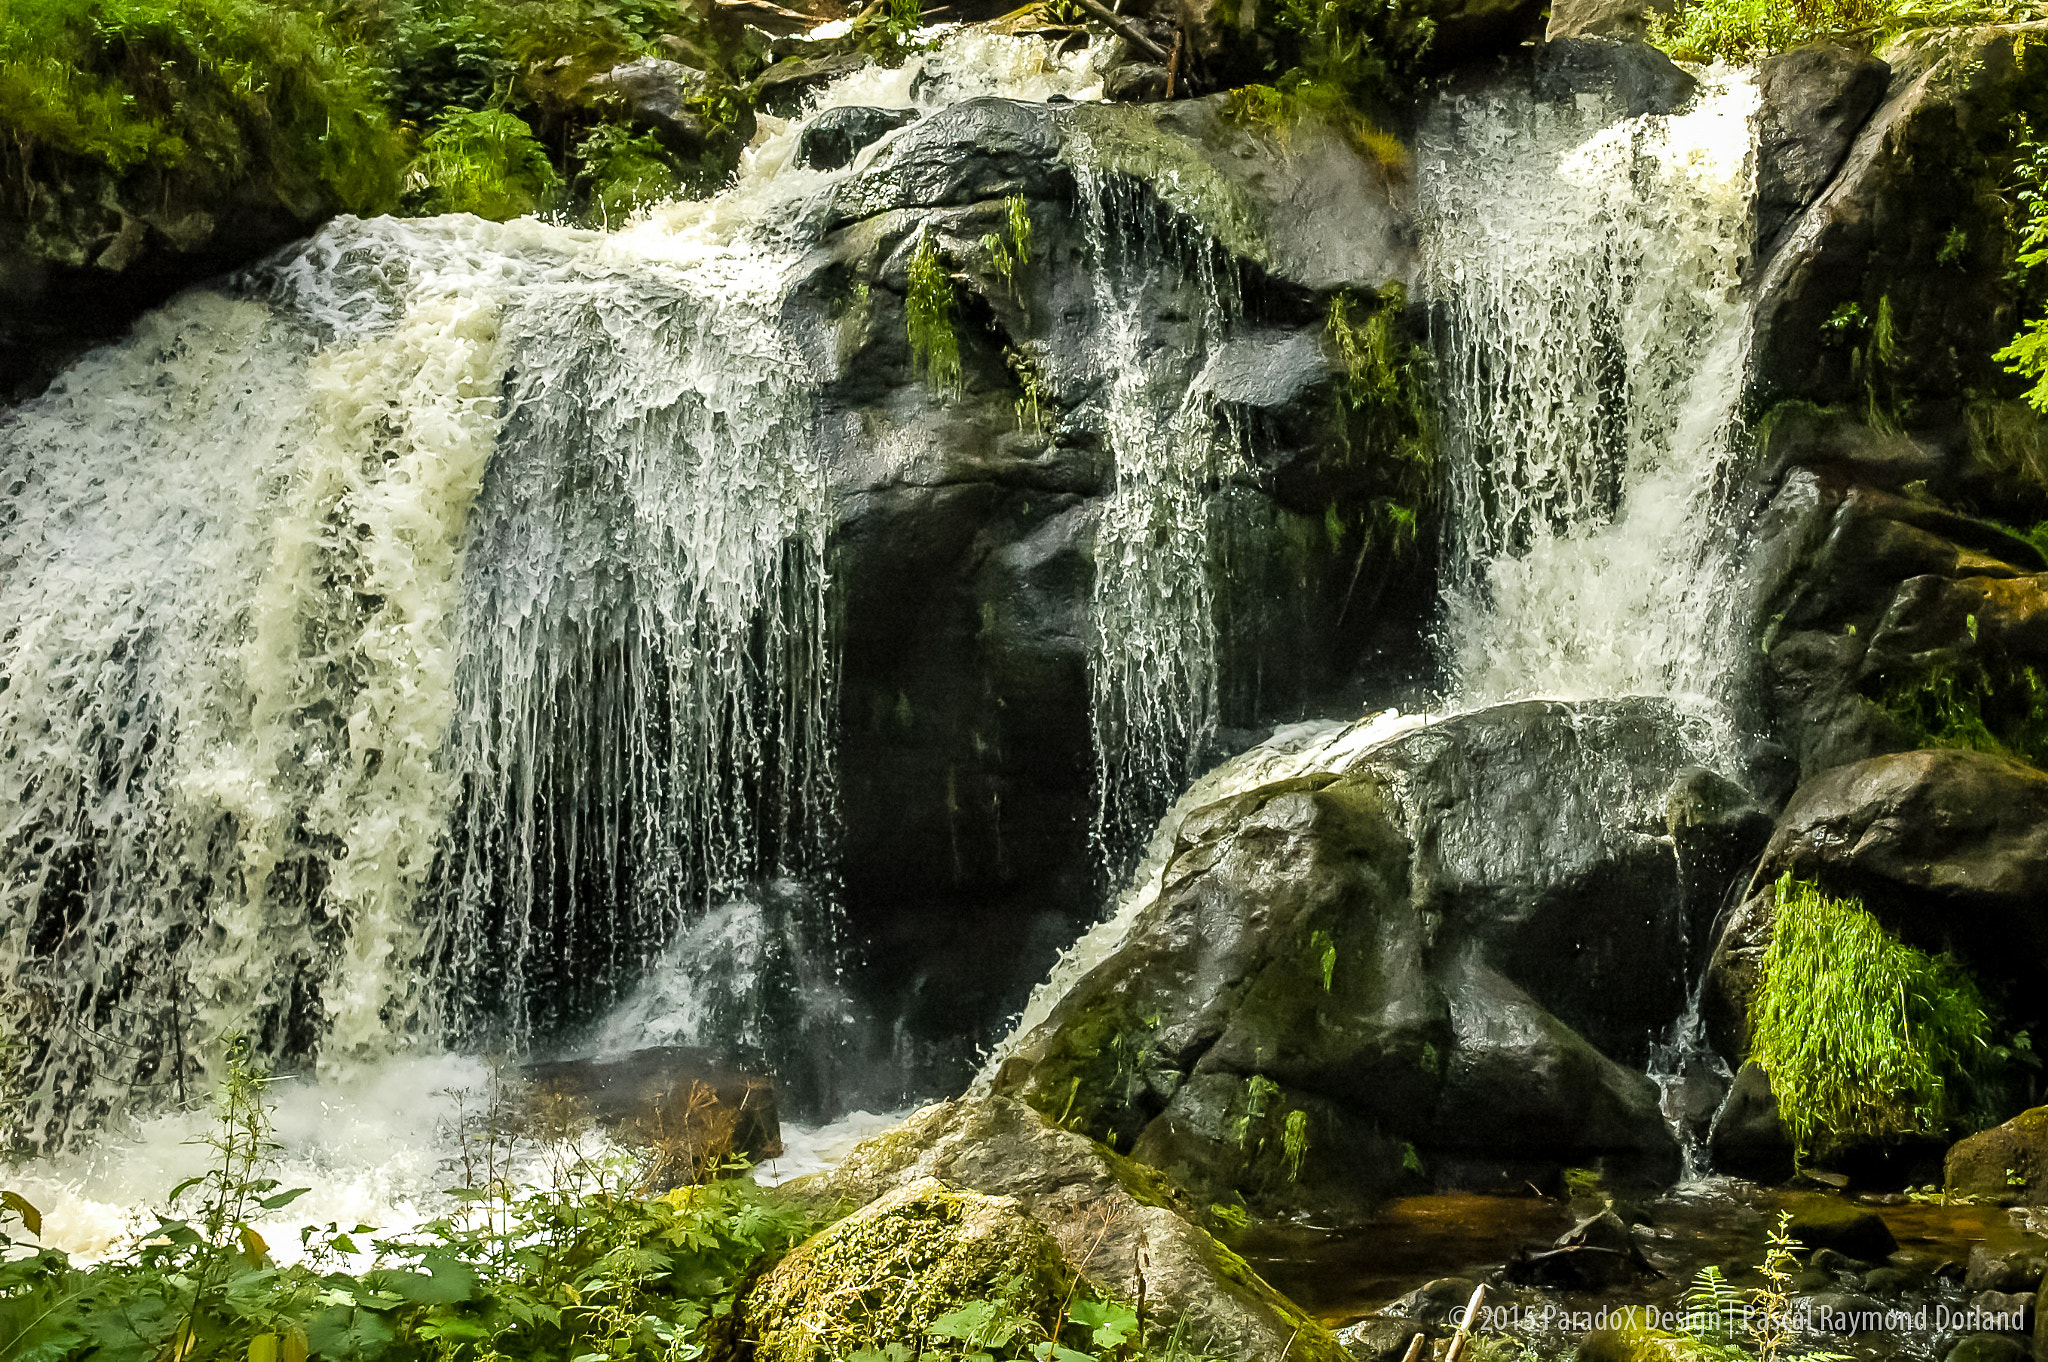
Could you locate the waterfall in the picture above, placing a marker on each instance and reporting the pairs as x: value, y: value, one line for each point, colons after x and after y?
x: 426, y: 639
x: 1152, y: 665
x: 1582, y: 274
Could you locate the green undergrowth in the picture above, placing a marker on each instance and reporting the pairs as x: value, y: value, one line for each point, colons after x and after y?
x: 1976, y: 704
x: 584, y: 1266
x: 1749, y: 30
x: 485, y: 162
x: 928, y: 309
x: 2027, y: 356
x: 1865, y: 1037
x: 1381, y: 465
x: 230, y: 87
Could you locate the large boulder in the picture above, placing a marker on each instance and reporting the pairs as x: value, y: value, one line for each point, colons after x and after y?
x: 1444, y: 960
x: 1127, y: 1232
x: 970, y: 521
x: 1892, y: 287
x: 1815, y: 99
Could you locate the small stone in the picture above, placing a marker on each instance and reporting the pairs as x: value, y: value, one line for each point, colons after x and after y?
x: 1843, y: 1227
x: 1987, y: 1348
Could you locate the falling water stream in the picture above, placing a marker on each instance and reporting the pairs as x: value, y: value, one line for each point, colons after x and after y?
x: 447, y: 601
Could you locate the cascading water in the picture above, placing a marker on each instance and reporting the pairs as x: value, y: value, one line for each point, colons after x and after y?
x: 415, y: 640
x: 1583, y: 281
x: 1152, y: 667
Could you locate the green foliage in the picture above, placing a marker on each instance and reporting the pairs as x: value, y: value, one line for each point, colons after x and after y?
x: 1863, y: 1037
x: 887, y: 29
x: 1749, y: 30
x: 928, y: 314
x: 1006, y: 257
x: 1347, y: 54
x: 622, y: 173
x: 1294, y: 1143
x: 585, y: 1270
x: 2028, y: 353
x: 485, y: 162
x: 1386, y: 378
x: 1326, y: 957
x: 1979, y: 703
x: 207, y: 87
x: 1259, y: 1092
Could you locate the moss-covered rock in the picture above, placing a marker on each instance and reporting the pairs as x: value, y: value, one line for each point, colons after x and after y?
x: 2008, y: 1161
x: 890, y: 1271
x: 1126, y: 1229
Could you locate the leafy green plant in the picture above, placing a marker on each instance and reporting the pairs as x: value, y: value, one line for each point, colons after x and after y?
x: 211, y: 87
x: 1862, y: 1036
x: 2028, y: 353
x: 1749, y: 30
x: 622, y: 172
x: 928, y: 315
x: 887, y: 29
x: 485, y: 162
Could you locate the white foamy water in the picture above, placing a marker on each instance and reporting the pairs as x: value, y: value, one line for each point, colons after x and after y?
x: 1583, y: 280
x: 423, y: 636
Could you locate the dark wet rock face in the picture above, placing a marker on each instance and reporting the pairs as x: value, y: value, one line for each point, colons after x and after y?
x: 1815, y: 100
x: 967, y: 531
x: 1436, y: 965
x: 836, y: 136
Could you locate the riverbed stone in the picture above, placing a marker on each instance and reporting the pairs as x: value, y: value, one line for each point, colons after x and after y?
x: 1827, y: 1223
x: 1987, y: 1348
x: 2008, y: 1161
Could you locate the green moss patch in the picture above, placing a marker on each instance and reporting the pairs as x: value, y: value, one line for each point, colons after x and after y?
x: 1863, y: 1036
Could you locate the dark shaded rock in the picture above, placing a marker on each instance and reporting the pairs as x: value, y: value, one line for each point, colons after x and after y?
x: 1384, y: 1338
x: 669, y: 100
x: 975, y: 150
x: 2009, y: 1160
x: 2015, y: 1308
x: 1909, y: 227
x: 1435, y: 1301
x: 1498, y: 910
x: 1827, y: 1223
x: 781, y: 88
x: 682, y: 1103
x: 1814, y: 100
x: 1633, y: 76
x: 1893, y: 1281
x: 1749, y: 1139
x: 1628, y: 19
x: 1596, y: 1254
x: 1949, y: 848
x: 835, y: 136
x: 1135, y: 83
x: 1987, y: 1348
x: 2008, y: 1273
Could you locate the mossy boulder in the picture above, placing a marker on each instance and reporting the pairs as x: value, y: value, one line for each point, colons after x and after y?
x: 2006, y: 1162
x: 1124, y: 1227
x: 1828, y: 1223
x: 889, y: 1271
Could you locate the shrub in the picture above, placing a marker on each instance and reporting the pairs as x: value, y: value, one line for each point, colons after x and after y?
x: 205, y: 86
x: 485, y: 162
x: 928, y: 313
x: 1748, y: 30
x: 622, y: 173
x: 1863, y: 1037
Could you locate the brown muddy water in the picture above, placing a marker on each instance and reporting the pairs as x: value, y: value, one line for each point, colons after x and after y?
x: 1363, y: 1272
